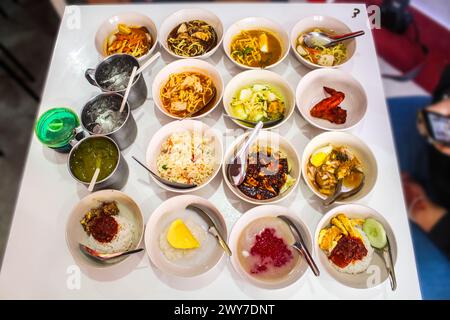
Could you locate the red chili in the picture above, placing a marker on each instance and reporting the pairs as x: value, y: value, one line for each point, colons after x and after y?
x: 347, y: 250
x: 271, y: 250
x: 104, y: 228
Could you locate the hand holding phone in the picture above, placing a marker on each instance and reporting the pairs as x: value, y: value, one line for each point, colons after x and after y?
x: 436, y: 119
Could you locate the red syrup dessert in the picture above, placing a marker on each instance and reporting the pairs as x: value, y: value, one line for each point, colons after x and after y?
x: 264, y: 250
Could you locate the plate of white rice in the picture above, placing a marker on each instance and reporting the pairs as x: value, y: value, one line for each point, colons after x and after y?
x: 128, y: 237
x: 368, y: 272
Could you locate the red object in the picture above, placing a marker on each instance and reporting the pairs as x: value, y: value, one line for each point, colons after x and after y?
x: 404, y: 53
x: 347, y: 250
x: 329, y: 109
x: 271, y: 251
x: 104, y: 228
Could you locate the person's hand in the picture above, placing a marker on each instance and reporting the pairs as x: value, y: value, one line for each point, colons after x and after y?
x: 421, y: 209
x: 443, y: 108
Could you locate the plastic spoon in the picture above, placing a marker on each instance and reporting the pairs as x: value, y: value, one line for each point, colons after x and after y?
x: 127, y: 91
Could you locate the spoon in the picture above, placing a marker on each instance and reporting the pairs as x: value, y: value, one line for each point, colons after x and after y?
x: 237, y: 169
x: 386, y: 254
x: 105, y: 256
x: 176, y: 185
x: 253, y: 123
x: 148, y: 63
x: 212, y: 229
x: 128, y: 89
x: 320, y: 39
x: 342, y: 191
x: 299, y: 244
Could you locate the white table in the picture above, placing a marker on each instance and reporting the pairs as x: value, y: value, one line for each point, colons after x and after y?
x: 37, y: 262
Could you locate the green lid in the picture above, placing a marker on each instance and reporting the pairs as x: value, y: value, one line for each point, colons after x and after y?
x: 55, y: 128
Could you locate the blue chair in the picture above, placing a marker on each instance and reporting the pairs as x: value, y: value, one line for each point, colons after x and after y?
x: 432, y: 265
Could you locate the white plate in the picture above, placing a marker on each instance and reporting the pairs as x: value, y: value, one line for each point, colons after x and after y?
x: 269, y: 211
x: 256, y: 23
x: 329, y: 23
x: 163, y: 134
x: 186, y: 15
x: 376, y: 273
x: 310, y: 91
x: 276, y: 142
x: 75, y: 233
x: 187, y: 65
x: 357, y: 146
x: 129, y: 18
x: 160, y: 220
x: 251, y: 77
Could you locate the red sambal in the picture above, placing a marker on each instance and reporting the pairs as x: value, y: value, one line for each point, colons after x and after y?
x: 104, y: 228
x: 270, y: 250
x: 347, y: 250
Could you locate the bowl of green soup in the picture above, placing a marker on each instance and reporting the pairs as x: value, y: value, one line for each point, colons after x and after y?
x: 98, y: 152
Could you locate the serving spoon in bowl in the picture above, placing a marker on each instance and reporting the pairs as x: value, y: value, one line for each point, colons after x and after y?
x: 105, y: 256
x: 343, y: 191
x: 300, y: 245
x: 320, y: 39
x: 237, y: 169
x: 212, y: 228
x: 254, y: 123
x: 176, y: 185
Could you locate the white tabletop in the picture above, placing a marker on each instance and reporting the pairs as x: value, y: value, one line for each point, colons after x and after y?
x: 38, y: 264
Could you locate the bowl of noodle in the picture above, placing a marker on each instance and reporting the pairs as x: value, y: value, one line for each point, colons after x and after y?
x: 256, y: 43
x: 320, y: 57
x: 187, y: 88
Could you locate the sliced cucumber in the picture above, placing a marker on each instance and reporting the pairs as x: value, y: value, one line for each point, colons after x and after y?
x: 375, y: 232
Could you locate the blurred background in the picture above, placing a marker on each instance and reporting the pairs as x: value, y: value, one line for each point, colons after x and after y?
x: 414, y: 54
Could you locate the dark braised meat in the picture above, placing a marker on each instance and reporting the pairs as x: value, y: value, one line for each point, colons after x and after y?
x: 329, y: 109
x: 265, y: 175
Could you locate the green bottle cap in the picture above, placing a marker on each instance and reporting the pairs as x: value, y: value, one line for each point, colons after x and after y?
x: 56, y: 127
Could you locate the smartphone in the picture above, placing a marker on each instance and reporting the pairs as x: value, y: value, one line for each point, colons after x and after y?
x: 438, y: 126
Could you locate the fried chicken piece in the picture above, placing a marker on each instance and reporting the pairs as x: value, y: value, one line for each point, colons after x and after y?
x: 328, y: 108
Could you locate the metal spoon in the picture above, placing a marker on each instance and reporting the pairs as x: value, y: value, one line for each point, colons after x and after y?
x: 320, y: 39
x: 299, y: 244
x: 386, y: 254
x: 212, y: 228
x: 253, y: 123
x: 105, y: 256
x: 236, y: 170
x: 343, y: 192
x: 177, y: 185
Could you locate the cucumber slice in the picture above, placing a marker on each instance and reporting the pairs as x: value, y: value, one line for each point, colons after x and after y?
x: 375, y: 232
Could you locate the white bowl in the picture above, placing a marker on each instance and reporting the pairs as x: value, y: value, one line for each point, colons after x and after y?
x: 328, y: 23
x: 376, y: 273
x: 357, y: 146
x: 186, y: 15
x: 161, y: 218
x: 75, y: 233
x: 187, y: 65
x: 310, y: 91
x: 251, y: 77
x: 163, y: 134
x: 276, y: 142
x: 268, y: 211
x: 128, y: 18
x: 256, y: 23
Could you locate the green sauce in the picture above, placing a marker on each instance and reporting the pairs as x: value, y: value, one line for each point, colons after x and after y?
x: 92, y: 153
